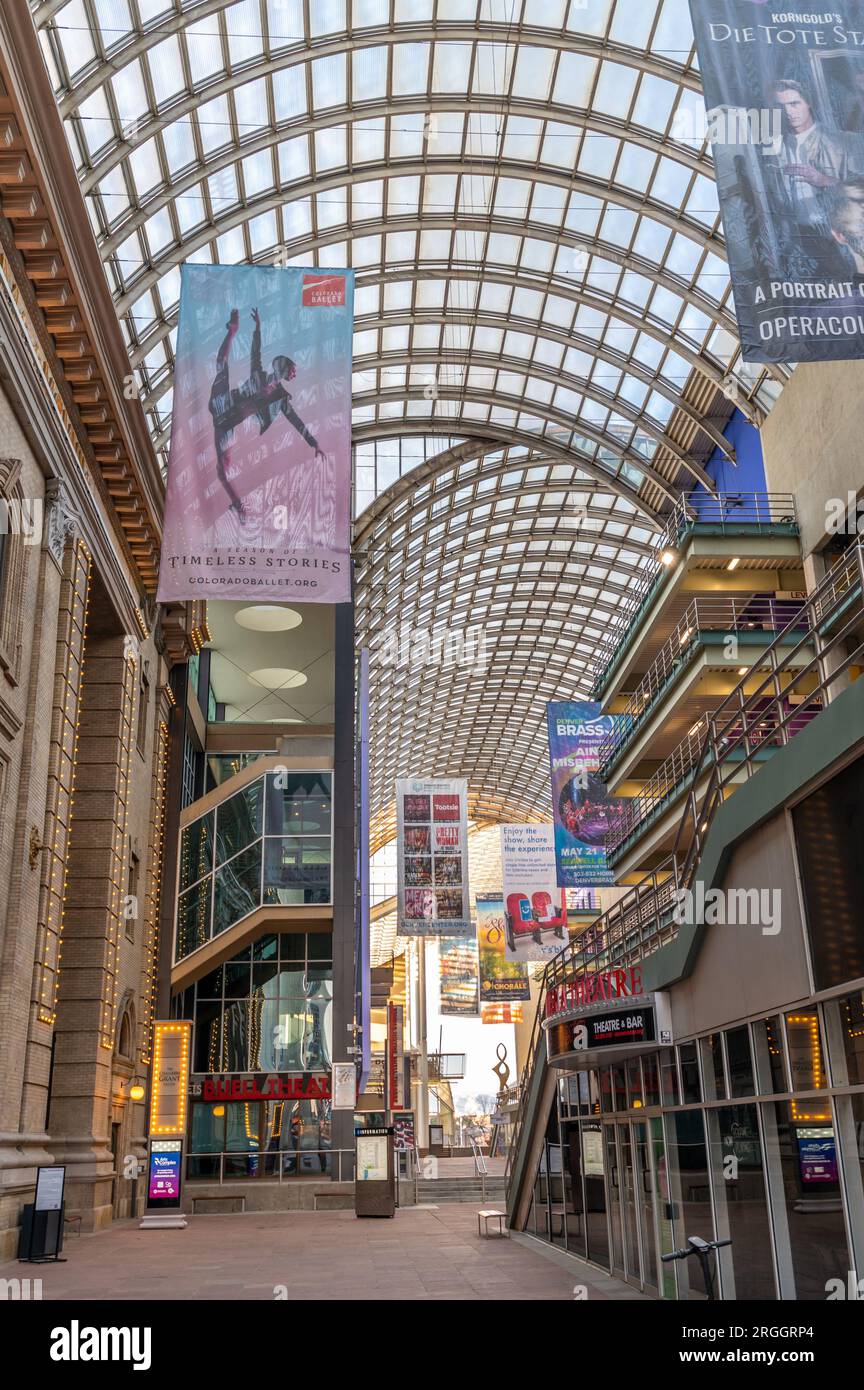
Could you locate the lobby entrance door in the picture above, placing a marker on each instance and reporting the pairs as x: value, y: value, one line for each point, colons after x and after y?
x: 631, y: 1188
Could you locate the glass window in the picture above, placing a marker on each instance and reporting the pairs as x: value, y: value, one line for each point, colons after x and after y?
x: 196, y: 850
x: 689, y: 1073
x: 713, y: 1075
x: 808, y: 1227
x: 235, y: 1040
x: 741, y: 1202
x: 651, y: 1079
x: 238, y: 889
x: 690, y: 1190
x: 207, y: 1055
x: 805, y: 1050
x: 297, y: 870
x: 634, y: 1083
x: 238, y: 821
x: 619, y: 1088
x: 833, y: 815
x: 741, y: 1079
x: 298, y: 803
x: 210, y: 986
x: 193, y: 918
x: 669, y: 1078
x: 770, y: 1064
x: 606, y: 1103
x: 844, y: 1022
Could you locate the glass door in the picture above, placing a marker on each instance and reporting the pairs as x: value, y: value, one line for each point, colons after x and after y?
x: 645, y: 1206
x: 613, y: 1186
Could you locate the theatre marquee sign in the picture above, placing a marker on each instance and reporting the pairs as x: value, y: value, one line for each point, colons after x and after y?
x: 261, y: 1086
x: 625, y: 1028
x: 596, y: 989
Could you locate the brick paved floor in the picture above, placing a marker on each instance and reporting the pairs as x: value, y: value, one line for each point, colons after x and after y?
x: 423, y: 1253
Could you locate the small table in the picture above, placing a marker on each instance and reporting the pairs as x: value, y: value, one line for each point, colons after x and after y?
x: 488, y: 1215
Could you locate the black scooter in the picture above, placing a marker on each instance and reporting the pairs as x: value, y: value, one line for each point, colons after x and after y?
x: 701, y: 1249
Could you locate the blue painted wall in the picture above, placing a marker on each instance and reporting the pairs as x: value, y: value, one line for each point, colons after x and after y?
x: 749, y: 476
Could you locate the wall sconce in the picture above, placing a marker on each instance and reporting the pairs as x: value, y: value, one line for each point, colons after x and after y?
x: 136, y: 1091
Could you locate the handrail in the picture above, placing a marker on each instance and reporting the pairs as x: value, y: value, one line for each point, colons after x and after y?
x: 732, y: 615
x: 727, y: 511
x: 804, y: 660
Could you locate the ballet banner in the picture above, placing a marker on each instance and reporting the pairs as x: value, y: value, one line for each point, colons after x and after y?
x: 259, y: 469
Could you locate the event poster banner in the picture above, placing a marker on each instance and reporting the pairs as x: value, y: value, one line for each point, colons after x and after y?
x: 502, y: 981
x: 582, y: 810
x: 432, y: 848
x: 535, y: 908
x: 501, y: 1013
x: 259, y: 471
x: 459, y: 977
x: 784, y: 90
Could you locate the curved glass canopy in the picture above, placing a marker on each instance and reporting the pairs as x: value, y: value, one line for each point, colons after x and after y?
x: 543, y: 308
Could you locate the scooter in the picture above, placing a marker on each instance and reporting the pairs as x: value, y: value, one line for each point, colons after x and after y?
x: 701, y: 1249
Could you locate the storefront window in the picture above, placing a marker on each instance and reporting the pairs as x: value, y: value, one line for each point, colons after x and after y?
x: 669, y: 1078
x: 690, y: 1190
x: 651, y: 1079
x: 809, y: 1232
x: 689, y: 1074
x: 770, y: 1062
x: 741, y: 1202
x: 619, y: 1088
x: 844, y: 1021
x: 712, y: 1067
x: 634, y: 1083
x: 741, y: 1078
x: 806, y: 1062
x: 606, y: 1103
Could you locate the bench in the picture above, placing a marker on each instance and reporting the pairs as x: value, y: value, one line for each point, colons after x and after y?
x: 487, y: 1215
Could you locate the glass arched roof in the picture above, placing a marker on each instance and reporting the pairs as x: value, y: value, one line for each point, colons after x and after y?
x: 525, y: 192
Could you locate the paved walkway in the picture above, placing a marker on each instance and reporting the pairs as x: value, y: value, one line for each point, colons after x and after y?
x: 423, y: 1253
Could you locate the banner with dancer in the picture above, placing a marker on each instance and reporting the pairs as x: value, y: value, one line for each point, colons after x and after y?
x: 583, y: 811
x: 784, y: 92
x: 259, y: 471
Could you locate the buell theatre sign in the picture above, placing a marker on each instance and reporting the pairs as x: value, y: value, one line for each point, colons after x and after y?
x: 261, y: 1086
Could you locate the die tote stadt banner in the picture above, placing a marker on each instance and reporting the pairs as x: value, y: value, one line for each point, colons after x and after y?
x: 784, y: 91
x: 583, y: 812
x: 259, y: 470
x: 432, y: 849
x: 535, y: 908
x: 502, y: 981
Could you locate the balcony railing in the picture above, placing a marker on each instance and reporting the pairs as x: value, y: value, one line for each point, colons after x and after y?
x: 814, y: 652
x: 731, y: 514
x: 733, y: 616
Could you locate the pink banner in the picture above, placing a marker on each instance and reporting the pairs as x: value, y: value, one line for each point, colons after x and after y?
x: 259, y: 472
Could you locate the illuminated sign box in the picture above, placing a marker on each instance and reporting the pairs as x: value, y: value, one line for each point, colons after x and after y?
x: 170, y: 1088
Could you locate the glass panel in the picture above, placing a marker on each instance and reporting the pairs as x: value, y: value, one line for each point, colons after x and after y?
x: 298, y: 803
x: 669, y: 1078
x: 237, y: 979
x: 596, y: 1227
x: 628, y: 1205
x: 238, y: 821
x: 210, y: 986
x: 208, y: 1036
x: 292, y: 946
x: 691, y: 1192
x: 238, y: 889
x: 235, y: 1053
x: 768, y: 1043
x: 808, y: 1214
x: 805, y: 1051
x: 613, y: 1177
x: 742, y: 1207
x: 689, y: 1073
x: 844, y: 1019
x: 833, y: 815
x: 634, y: 1083
x: 320, y: 946
x: 606, y: 1104
x: 301, y: 1034
x: 619, y: 1088
x: 297, y: 870
x: 646, y: 1202
x: 741, y: 1077
x: 196, y: 850
x: 651, y: 1079
x: 666, y: 1230
x: 193, y: 919
x: 574, y: 1194
x: 207, y: 1130
x: 713, y: 1078
x: 297, y: 1138
x: 265, y: 948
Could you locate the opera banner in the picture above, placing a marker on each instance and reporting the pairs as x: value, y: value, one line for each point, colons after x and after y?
x: 432, y: 857
x: 535, y: 908
x: 459, y: 977
x: 784, y: 91
x: 259, y: 470
x: 502, y: 981
x: 583, y: 812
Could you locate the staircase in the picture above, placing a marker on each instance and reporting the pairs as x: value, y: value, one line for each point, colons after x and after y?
x: 437, y: 1191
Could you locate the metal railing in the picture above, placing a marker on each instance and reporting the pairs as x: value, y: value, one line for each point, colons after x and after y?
x: 735, y: 616
x: 739, y: 513
x: 481, y: 1169
x: 814, y: 652
x: 272, y: 1166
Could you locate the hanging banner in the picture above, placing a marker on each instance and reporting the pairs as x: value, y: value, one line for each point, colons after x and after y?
x: 432, y: 847
x: 535, y: 908
x: 784, y: 92
x: 582, y: 810
x: 459, y: 977
x: 501, y: 980
x: 259, y: 472
x: 501, y: 1013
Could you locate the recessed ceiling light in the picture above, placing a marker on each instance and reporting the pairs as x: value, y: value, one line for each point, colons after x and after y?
x: 268, y: 617
x: 734, y: 562
x: 277, y: 678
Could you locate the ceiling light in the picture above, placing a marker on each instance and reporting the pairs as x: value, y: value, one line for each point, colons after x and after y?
x: 742, y: 670
x: 268, y: 617
x: 734, y: 562
x: 277, y: 678
x: 667, y: 557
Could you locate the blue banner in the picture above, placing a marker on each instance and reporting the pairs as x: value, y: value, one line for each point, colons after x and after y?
x: 582, y: 810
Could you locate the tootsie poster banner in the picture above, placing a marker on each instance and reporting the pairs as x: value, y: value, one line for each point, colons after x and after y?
x: 582, y: 810
x: 432, y: 850
x: 784, y: 90
x: 535, y: 908
x: 259, y: 471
